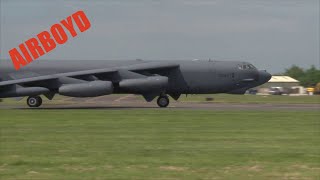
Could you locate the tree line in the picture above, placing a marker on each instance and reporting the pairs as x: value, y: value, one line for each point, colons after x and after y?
x: 307, y: 77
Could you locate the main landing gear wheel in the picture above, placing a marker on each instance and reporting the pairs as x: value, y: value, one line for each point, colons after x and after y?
x: 34, y: 101
x: 163, y: 101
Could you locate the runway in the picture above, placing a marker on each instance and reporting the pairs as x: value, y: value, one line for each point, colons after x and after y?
x: 133, y: 102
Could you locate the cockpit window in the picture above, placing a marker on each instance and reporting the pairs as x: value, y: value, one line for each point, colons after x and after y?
x: 246, y: 67
x: 251, y: 66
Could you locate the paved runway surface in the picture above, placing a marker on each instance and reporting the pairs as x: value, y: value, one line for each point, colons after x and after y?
x: 185, y: 106
x: 134, y: 102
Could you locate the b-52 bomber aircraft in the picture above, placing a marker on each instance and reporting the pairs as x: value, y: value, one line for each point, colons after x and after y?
x: 151, y: 79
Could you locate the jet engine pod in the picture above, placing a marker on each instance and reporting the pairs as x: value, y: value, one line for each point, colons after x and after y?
x: 24, y: 91
x: 90, y: 89
x: 144, y: 84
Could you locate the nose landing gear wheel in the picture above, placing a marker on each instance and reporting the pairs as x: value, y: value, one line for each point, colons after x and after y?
x: 163, y: 101
x: 34, y: 101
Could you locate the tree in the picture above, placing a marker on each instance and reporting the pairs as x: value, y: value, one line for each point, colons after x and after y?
x: 309, y: 77
x: 295, y: 72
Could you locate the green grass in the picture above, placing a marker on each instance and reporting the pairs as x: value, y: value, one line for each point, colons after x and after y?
x: 159, y: 144
x: 226, y: 98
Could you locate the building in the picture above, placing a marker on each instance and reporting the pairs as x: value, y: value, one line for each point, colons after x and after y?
x: 283, y: 84
x: 281, y: 81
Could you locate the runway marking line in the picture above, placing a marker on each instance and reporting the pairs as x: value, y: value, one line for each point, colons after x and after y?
x: 122, y: 98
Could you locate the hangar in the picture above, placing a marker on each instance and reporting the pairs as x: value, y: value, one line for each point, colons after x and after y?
x: 283, y: 84
x: 281, y: 81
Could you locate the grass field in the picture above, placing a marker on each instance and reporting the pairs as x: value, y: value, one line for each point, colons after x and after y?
x: 159, y: 144
x: 227, y: 98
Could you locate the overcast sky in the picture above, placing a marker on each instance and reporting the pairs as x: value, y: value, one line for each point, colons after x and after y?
x: 272, y: 34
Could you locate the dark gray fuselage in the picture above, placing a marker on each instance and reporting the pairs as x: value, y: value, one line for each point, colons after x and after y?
x: 192, y: 77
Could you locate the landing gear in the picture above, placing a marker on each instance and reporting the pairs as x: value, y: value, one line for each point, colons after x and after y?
x: 34, y: 101
x: 163, y: 101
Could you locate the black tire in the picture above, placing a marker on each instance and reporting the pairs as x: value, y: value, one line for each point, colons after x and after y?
x: 34, y: 101
x: 163, y: 101
x: 40, y: 101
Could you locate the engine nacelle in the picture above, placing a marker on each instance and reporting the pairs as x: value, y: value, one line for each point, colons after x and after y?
x: 90, y: 89
x: 23, y: 91
x: 144, y: 84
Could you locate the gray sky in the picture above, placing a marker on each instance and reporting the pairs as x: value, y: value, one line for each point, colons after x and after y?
x: 272, y: 34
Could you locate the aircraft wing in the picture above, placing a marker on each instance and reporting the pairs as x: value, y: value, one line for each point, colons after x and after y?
x: 148, y: 66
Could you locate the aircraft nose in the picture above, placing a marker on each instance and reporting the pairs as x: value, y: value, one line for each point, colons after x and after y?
x: 264, y: 76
